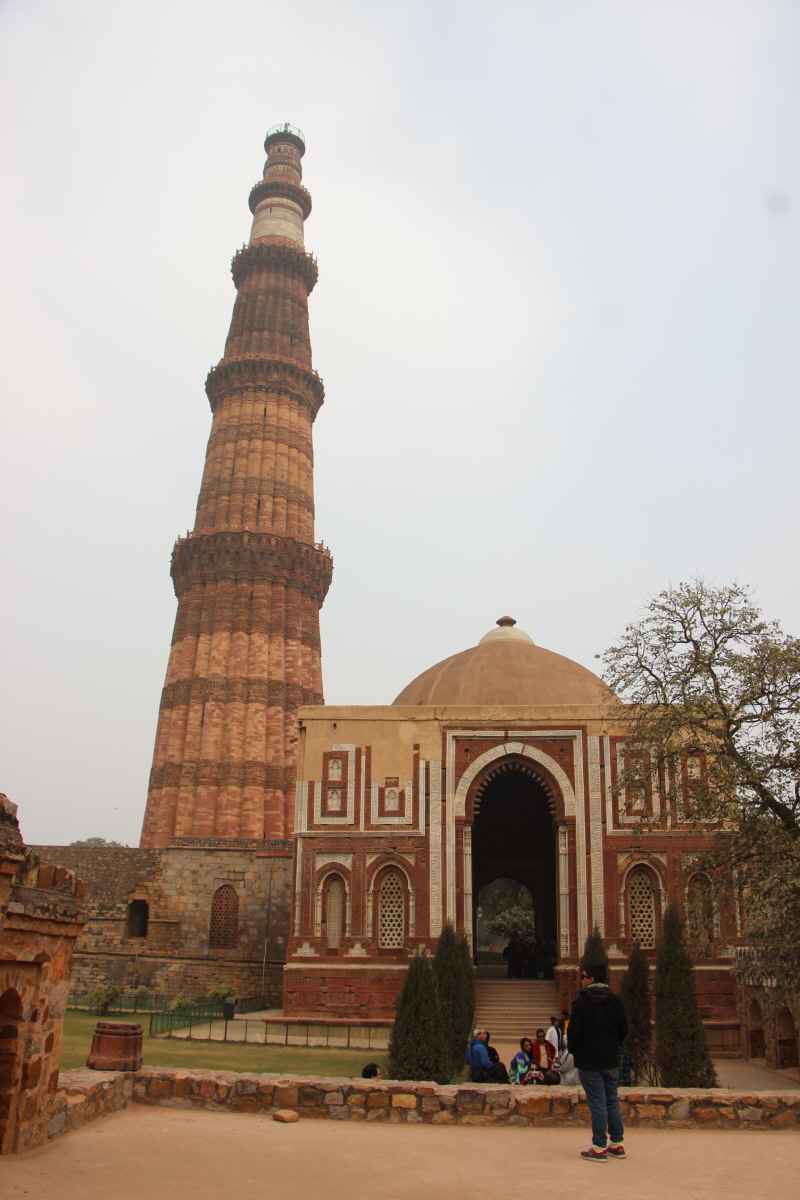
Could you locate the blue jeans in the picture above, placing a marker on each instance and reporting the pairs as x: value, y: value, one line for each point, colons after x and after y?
x: 601, y: 1096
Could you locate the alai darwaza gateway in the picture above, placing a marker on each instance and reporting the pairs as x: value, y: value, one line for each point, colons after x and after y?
x: 494, y: 769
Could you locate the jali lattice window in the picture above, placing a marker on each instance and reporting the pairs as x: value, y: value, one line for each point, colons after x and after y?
x: 391, y: 911
x: 224, y: 934
x: 642, y: 909
x: 335, y: 913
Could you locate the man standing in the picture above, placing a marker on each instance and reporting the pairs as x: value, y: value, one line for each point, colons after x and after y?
x: 597, y: 1025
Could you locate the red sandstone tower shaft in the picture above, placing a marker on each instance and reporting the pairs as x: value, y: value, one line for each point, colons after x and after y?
x: 249, y: 578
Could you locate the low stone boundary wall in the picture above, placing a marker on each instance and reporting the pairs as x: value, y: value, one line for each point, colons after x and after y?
x: 84, y: 1095
x: 415, y: 1103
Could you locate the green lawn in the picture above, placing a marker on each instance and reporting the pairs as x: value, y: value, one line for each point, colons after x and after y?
x: 219, y: 1056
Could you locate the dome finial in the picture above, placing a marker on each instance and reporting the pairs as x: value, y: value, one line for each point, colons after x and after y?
x: 505, y: 621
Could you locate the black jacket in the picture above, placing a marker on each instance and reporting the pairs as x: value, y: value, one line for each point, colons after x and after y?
x: 597, y: 1025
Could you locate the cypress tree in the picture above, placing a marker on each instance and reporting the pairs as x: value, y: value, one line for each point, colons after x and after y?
x: 416, y: 1046
x: 468, y: 975
x: 455, y: 997
x: 682, y: 1057
x: 633, y: 990
x: 594, y: 951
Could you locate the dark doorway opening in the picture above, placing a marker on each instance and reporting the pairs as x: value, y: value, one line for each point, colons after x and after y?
x: 513, y: 840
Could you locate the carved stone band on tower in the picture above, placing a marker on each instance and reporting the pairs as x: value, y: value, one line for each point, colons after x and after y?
x: 249, y: 578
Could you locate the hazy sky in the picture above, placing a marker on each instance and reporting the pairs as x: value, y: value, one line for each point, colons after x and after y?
x: 557, y: 321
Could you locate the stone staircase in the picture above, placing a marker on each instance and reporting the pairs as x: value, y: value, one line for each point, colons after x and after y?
x: 514, y: 1008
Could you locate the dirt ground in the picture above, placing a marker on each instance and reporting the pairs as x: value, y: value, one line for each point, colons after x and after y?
x: 173, y: 1154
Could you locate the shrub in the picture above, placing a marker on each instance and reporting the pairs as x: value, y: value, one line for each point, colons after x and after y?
x: 634, y: 992
x: 416, y: 1046
x: 456, y: 998
x: 177, y: 1003
x: 682, y: 1057
x: 220, y: 991
x: 104, y: 997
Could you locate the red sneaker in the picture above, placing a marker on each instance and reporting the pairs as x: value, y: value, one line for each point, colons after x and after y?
x: 616, y: 1150
x: 595, y: 1155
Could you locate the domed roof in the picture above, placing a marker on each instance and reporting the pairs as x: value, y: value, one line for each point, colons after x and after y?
x: 506, y: 667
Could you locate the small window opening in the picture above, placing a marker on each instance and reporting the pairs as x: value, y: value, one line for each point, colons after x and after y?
x: 138, y: 917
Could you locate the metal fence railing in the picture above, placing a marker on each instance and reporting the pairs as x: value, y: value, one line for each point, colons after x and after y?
x: 166, y: 1022
x: 129, y: 1003
x: 268, y: 1033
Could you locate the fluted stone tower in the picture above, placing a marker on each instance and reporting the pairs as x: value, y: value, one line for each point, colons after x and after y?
x: 249, y: 578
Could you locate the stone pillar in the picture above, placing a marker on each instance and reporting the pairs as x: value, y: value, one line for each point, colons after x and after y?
x: 249, y: 578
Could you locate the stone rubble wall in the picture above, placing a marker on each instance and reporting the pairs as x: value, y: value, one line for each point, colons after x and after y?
x: 85, y: 1095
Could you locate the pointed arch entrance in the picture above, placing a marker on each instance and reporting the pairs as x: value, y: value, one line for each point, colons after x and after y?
x: 513, y: 853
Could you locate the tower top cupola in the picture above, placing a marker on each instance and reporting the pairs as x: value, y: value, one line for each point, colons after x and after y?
x: 279, y: 202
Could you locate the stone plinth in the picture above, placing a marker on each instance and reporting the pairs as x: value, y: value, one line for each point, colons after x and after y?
x: 116, y: 1046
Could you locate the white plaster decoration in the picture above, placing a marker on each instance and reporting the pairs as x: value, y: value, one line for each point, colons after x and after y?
x: 306, y: 951
x: 371, y: 858
x: 421, y: 794
x: 468, y: 882
x: 322, y: 860
x: 405, y: 817
x: 357, y: 951
x: 335, y: 798
x: 614, y: 951
x: 450, y: 848
x: 334, y: 769
x: 609, y: 786
x: 301, y: 806
x: 392, y: 799
x: 297, y: 880
x: 362, y: 791
x: 435, y: 845
x: 580, y: 840
x: 596, y: 834
x: 349, y: 816
x: 563, y: 891
x: 657, y: 862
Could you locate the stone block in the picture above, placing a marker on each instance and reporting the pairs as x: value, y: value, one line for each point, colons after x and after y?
x: 786, y: 1120
x: 356, y: 1101
x: 478, y: 1119
x: 707, y: 1116
x: 413, y: 1118
x: 430, y: 1104
x: 535, y: 1106
x: 750, y: 1114
x: 649, y: 1112
x: 207, y: 1087
x: 680, y: 1110
x: 158, y: 1088
x: 443, y: 1118
x: 334, y: 1098
x: 378, y: 1100
x: 518, y: 1120
x: 244, y: 1104
x: 379, y: 1114
x: 470, y: 1102
x: 340, y: 1113
x: 403, y: 1100
x: 311, y: 1097
x: 285, y: 1115
x: 286, y: 1097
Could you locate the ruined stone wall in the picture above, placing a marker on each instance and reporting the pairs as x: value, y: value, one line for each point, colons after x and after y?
x: 178, y: 885
x: 40, y: 920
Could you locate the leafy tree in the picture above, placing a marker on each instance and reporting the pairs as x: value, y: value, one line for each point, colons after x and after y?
x: 465, y: 950
x: 456, y: 997
x: 634, y: 992
x: 95, y: 841
x: 682, y: 1057
x: 417, y: 1047
x: 594, y: 950
x: 514, y: 922
x: 712, y: 693
x: 104, y: 997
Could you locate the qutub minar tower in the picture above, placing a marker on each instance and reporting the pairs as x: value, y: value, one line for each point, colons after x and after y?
x: 249, y: 578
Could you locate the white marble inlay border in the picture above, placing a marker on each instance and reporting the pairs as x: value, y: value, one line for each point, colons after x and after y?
x: 435, y: 845
x: 596, y: 833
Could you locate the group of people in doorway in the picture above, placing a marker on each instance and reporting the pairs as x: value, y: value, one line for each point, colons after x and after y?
x: 584, y: 1046
x: 530, y: 959
x: 544, y: 1059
